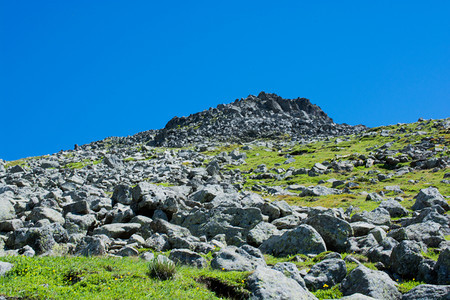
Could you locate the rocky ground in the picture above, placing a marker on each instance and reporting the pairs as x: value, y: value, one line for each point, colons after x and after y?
x: 266, y: 185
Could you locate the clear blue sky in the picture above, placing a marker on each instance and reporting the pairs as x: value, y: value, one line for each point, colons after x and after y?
x: 72, y: 72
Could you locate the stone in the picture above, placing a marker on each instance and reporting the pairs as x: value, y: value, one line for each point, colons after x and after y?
x: 443, y: 267
x: 378, y: 216
x: 333, y: 230
x: 92, y: 246
x: 128, y: 251
x: 7, y: 211
x: 269, y: 284
x: 405, y: 259
x: 50, y: 214
x: 429, y: 197
x: 122, y: 194
x: 301, y: 240
x: 290, y: 270
x: 382, y: 252
x: 328, y: 272
x: 231, y: 258
x: 118, y: 230
x: 5, y: 267
x: 394, y: 208
x: 147, y: 256
x: 187, y: 257
x: 260, y: 233
x: 376, y: 284
x: 428, y: 292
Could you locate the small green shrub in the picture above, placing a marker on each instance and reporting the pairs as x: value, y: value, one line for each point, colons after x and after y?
x: 161, y: 269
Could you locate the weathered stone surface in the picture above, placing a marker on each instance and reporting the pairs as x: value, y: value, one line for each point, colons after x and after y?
x: 290, y: 270
x: 187, y: 257
x: 428, y: 292
x: 333, y: 230
x: 302, y: 240
x: 443, y: 267
x: 371, y: 283
x: 429, y: 197
x: 232, y: 258
x: 7, y: 211
x: 118, y: 230
x: 394, y: 208
x: 329, y: 272
x: 405, y: 258
x: 5, y: 267
x: 260, y: 233
x: 268, y: 284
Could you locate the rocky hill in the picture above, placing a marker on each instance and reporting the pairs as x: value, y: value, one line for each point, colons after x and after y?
x: 263, y: 185
x: 255, y: 117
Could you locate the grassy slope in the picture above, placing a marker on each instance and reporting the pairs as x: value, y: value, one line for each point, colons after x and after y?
x: 126, y: 278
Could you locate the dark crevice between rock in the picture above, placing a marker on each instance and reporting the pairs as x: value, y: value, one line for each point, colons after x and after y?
x: 223, y: 289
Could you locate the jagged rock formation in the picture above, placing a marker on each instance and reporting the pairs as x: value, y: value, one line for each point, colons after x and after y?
x: 263, y: 116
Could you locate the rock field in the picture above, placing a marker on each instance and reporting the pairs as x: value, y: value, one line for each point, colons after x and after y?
x: 260, y: 177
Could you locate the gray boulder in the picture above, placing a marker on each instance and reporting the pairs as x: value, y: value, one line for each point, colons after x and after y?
x: 261, y: 232
x: 405, y: 258
x: 428, y: 292
x: 394, y: 208
x: 187, y: 257
x: 118, y: 230
x: 128, y: 251
x: 231, y: 258
x: 443, y: 267
x: 92, y: 246
x: 333, y: 230
x: 5, y: 267
x: 382, y: 252
x: 429, y: 233
x: 122, y: 194
x: 329, y: 272
x: 371, y: 283
x: 290, y: 270
x: 378, y: 216
x: 39, y: 213
x: 7, y: 211
x: 302, y: 240
x: 268, y: 284
x: 429, y: 197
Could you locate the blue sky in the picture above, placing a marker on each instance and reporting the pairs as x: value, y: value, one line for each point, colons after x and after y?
x: 72, y: 72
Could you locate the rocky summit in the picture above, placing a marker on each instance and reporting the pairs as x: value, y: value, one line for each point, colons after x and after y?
x: 263, y: 198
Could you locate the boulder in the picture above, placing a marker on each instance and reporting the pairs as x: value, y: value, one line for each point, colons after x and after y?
x: 405, y: 259
x: 302, y: 240
x: 376, y: 284
x: 382, y: 252
x: 443, y: 267
x: 333, y: 230
x: 39, y: 213
x: 5, y: 267
x: 7, y: 211
x: 270, y: 284
x: 429, y: 197
x: 260, y: 233
x: 327, y: 272
x: 231, y: 258
x: 118, y: 230
x: 187, y: 257
x: 428, y: 292
x: 290, y: 270
x: 394, y: 208
x: 378, y: 216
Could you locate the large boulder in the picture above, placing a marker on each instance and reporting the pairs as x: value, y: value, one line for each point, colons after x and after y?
x: 371, y: 283
x: 405, y: 258
x: 118, y: 230
x: 187, y: 257
x: 378, y: 216
x: 231, y: 258
x: 260, y: 233
x: 428, y: 292
x: 302, y: 240
x: 333, y: 230
x: 39, y: 213
x: 268, y: 284
x: 394, y: 208
x: 329, y: 271
x: 429, y: 233
x: 290, y: 270
x: 382, y: 252
x: 7, y: 211
x: 429, y: 197
x: 443, y: 267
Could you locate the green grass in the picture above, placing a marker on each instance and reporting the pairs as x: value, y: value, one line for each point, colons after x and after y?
x: 106, y: 278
